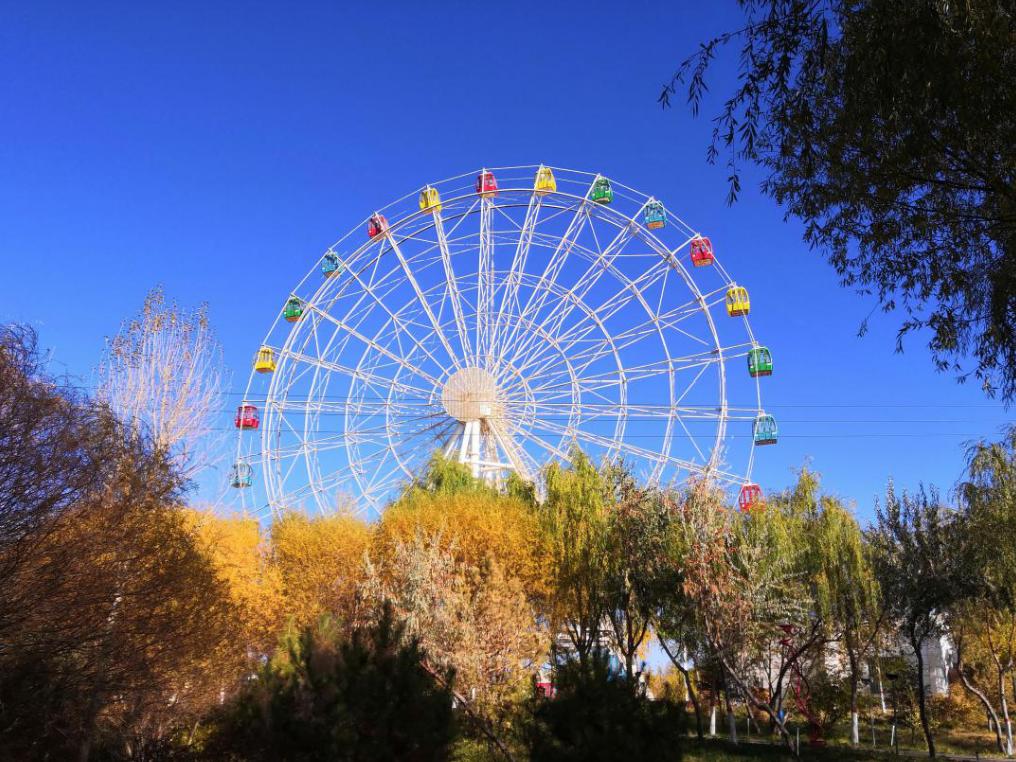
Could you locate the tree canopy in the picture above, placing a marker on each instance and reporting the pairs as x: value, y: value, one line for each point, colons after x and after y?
x: 886, y: 127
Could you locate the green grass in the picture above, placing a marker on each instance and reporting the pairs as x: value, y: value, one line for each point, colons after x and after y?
x: 714, y: 751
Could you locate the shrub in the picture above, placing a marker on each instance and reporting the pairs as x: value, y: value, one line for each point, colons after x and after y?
x: 598, y: 714
x: 326, y: 696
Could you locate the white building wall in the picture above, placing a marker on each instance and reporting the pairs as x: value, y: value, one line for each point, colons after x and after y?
x: 938, y: 655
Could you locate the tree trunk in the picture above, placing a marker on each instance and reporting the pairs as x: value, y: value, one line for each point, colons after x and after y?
x: 482, y: 724
x: 922, y: 702
x: 774, y: 717
x: 686, y: 674
x: 855, y: 731
x: 979, y: 694
x: 712, y: 718
x: 1005, y: 713
x: 693, y: 696
x: 881, y: 690
x: 731, y: 717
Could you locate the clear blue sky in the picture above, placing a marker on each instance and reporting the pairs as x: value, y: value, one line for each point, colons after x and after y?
x: 218, y: 148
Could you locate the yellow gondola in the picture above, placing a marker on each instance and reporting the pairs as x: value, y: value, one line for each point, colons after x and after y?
x: 737, y: 301
x: 430, y: 199
x: 545, y: 182
x: 264, y: 361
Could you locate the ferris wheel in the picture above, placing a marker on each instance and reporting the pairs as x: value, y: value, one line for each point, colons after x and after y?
x: 504, y: 317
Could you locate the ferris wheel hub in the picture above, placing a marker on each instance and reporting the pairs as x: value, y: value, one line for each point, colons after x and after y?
x: 470, y: 394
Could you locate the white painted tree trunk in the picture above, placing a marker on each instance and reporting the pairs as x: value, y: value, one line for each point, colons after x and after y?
x: 712, y: 721
x: 855, y: 729
x: 881, y: 692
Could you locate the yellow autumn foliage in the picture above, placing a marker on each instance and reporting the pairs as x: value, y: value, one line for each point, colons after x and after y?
x: 320, y: 563
x: 237, y: 548
x: 476, y: 527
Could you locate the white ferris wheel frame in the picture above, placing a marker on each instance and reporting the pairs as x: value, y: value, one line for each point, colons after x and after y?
x: 435, y: 322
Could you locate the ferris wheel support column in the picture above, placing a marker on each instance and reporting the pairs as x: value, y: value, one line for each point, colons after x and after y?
x: 469, y: 451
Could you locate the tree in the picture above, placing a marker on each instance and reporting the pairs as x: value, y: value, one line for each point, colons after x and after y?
x: 744, y: 593
x: 575, y: 520
x: 600, y: 715
x: 53, y: 453
x: 985, y: 638
x: 240, y: 554
x: 319, y: 562
x: 164, y: 372
x: 985, y: 624
x: 918, y: 553
x: 675, y: 619
x: 474, y: 522
x: 836, y: 565
x: 474, y: 620
x: 328, y: 696
x: 886, y: 127
x: 637, y: 541
x: 109, y: 613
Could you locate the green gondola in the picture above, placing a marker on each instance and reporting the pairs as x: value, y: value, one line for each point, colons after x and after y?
x: 760, y: 362
x: 293, y: 310
x: 602, y: 193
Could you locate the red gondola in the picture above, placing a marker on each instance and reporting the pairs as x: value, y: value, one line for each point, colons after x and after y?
x: 486, y: 184
x: 701, y: 251
x: 247, y: 417
x: 377, y: 225
x: 750, y: 498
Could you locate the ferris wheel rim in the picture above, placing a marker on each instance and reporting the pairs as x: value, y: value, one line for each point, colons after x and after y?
x: 568, y: 202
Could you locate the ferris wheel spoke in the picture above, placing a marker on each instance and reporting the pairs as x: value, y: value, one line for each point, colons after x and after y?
x: 621, y: 447
x: 359, y: 426
x: 587, y: 384
x: 510, y: 292
x: 691, y: 385
x: 324, y: 484
x: 434, y: 431
x: 604, y: 262
x: 380, y: 349
x: 451, y: 285
x: 692, y: 439
x: 564, y: 347
x: 590, y: 353
x: 545, y: 283
x: 575, y: 295
x: 539, y: 441
x: 539, y: 366
x: 631, y: 289
x: 404, y: 357
x: 514, y: 453
x: 400, y: 324
x: 484, y: 287
x: 603, y: 354
x: 383, y: 477
x: 330, y: 407
x: 424, y: 303
x: 362, y: 375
